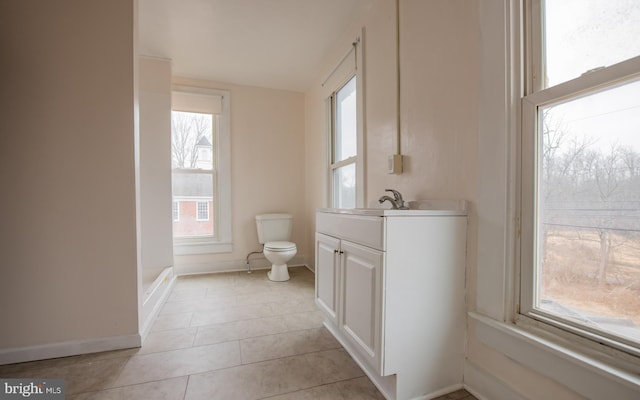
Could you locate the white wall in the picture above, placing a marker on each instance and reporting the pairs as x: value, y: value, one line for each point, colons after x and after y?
x: 155, y: 167
x: 438, y: 58
x: 67, y: 172
x: 267, y: 170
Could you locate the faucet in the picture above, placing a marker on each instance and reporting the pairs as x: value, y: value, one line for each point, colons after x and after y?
x: 396, y: 202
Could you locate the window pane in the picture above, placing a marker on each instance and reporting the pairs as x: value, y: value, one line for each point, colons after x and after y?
x: 203, y: 210
x: 346, y: 128
x: 581, y: 35
x: 588, y: 210
x: 191, y: 140
x: 193, y: 192
x: 344, y: 186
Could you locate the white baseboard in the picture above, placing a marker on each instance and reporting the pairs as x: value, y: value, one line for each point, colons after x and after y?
x: 153, y: 303
x: 484, y: 385
x: 257, y: 263
x: 70, y: 348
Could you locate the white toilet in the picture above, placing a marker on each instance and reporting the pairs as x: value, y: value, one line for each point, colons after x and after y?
x: 274, y: 232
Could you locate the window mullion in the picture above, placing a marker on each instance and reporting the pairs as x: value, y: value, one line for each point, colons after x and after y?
x: 346, y: 161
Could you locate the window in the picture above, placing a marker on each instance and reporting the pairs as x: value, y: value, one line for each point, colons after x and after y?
x: 345, y: 121
x: 200, y: 145
x: 580, y: 194
x: 175, y: 208
x: 203, y: 210
x: 344, y: 145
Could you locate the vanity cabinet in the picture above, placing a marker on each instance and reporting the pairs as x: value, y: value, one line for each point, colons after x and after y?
x: 391, y: 288
x: 351, y: 275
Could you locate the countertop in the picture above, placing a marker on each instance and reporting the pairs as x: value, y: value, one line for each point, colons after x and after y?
x: 416, y: 208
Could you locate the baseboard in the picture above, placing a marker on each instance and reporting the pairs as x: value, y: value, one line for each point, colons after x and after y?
x: 256, y: 263
x: 156, y: 300
x: 486, y: 386
x: 70, y: 348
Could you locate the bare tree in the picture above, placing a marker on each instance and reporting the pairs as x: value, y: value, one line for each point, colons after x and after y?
x: 187, y: 129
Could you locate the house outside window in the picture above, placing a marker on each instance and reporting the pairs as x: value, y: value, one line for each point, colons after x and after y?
x: 200, y: 149
x: 580, y: 166
x: 175, y: 208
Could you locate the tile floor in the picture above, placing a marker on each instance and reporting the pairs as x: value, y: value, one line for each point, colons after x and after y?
x: 229, y: 336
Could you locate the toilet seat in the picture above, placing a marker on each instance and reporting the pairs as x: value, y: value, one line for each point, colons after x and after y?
x: 279, y: 246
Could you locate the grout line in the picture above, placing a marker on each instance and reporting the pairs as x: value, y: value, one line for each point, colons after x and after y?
x: 186, y: 387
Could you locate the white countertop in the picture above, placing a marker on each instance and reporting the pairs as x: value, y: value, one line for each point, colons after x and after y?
x: 416, y: 208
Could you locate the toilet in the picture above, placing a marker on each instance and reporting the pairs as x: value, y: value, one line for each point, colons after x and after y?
x: 274, y: 232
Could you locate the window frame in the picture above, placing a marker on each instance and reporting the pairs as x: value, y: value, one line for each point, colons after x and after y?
x: 534, y: 97
x: 221, y: 241
x: 337, y: 79
x: 336, y: 165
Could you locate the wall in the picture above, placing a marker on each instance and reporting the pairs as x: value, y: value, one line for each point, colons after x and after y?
x: 438, y: 58
x: 67, y: 172
x: 267, y: 170
x: 155, y: 167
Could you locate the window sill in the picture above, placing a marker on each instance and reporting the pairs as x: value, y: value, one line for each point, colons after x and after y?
x: 587, y: 376
x: 201, y: 247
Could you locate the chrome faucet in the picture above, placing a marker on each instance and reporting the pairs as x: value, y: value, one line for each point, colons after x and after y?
x: 396, y: 202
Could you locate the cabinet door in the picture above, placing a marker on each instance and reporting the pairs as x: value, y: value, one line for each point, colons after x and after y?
x: 327, y: 275
x: 361, y: 318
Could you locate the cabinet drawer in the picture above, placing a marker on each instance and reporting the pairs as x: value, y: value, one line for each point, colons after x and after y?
x: 367, y: 231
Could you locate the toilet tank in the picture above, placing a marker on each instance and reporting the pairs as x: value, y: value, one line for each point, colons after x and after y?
x: 274, y: 227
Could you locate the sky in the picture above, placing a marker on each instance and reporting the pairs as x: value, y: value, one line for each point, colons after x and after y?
x: 587, y: 34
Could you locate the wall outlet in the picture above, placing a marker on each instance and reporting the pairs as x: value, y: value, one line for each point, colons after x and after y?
x: 395, y: 164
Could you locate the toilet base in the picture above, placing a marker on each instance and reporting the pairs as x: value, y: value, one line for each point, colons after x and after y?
x: 278, y: 273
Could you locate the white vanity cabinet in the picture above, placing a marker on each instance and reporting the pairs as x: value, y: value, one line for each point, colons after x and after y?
x: 351, y: 276
x: 391, y: 287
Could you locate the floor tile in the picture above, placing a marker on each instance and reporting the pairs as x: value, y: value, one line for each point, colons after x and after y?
x: 83, y: 376
x: 231, y: 314
x: 180, y: 294
x: 358, y: 389
x: 334, y: 365
x: 157, y: 341
x: 305, y: 320
x: 323, y: 392
x: 254, y: 381
x: 170, y: 364
x: 294, y: 306
x: 168, y: 389
x: 172, y: 321
x: 224, y: 332
x: 286, y: 344
x: 201, y: 304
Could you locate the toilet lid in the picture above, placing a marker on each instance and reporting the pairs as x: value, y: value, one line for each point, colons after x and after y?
x: 279, y: 246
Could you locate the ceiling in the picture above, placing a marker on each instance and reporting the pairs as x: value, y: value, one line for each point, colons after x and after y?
x: 268, y: 43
